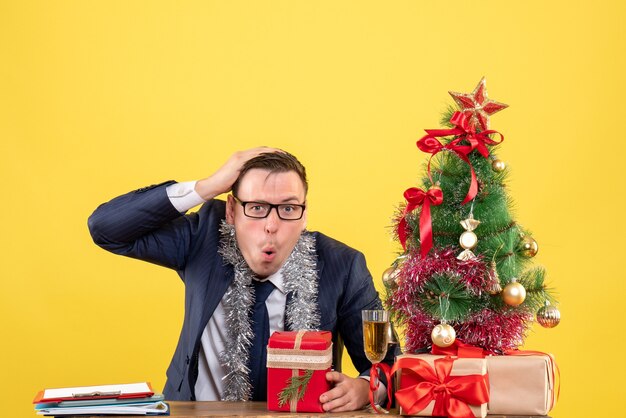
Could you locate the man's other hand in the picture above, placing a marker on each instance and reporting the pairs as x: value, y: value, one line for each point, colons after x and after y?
x: 348, y: 394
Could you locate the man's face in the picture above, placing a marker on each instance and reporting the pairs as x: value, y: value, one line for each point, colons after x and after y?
x: 266, y: 243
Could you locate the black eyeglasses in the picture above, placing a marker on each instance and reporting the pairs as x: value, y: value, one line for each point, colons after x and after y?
x: 260, y: 210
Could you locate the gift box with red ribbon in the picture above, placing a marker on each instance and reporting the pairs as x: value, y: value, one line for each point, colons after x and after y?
x: 297, y: 363
x: 431, y: 385
x: 521, y: 383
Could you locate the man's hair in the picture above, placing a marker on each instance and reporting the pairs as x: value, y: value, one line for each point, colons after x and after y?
x: 274, y: 162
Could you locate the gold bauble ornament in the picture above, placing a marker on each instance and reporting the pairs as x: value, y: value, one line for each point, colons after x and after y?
x: 514, y: 293
x: 443, y: 335
x: 548, y: 316
x: 389, y: 277
x: 528, y: 246
x: 498, y: 166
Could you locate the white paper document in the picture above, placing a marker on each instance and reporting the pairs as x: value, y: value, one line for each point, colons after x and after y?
x: 152, y: 408
x: 74, y: 392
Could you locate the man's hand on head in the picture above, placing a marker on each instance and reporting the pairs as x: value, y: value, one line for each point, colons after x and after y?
x: 223, y: 179
x: 348, y: 394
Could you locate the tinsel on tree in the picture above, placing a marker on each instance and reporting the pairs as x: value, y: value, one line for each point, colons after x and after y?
x: 465, y: 271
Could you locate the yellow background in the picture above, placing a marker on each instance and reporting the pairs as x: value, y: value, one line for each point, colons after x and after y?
x: 101, y: 97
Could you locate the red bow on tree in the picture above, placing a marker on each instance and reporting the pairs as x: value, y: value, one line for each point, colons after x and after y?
x: 463, y: 130
x: 452, y: 394
x: 460, y: 349
x: 417, y: 197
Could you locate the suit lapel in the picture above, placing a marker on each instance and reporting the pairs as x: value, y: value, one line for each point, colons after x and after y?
x: 217, y: 283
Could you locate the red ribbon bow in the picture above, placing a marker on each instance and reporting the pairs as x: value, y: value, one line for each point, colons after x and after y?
x: 375, y: 383
x: 417, y: 197
x: 463, y: 130
x: 452, y: 394
x: 463, y: 350
x: 460, y: 349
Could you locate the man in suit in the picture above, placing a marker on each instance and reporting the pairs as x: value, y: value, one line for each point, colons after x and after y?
x: 230, y: 253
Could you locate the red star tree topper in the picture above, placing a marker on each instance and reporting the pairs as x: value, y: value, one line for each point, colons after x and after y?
x: 477, y: 106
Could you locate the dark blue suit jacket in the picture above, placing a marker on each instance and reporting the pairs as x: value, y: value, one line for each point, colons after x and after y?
x: 143, y: 224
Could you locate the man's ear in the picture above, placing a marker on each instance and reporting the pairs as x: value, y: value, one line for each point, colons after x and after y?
x: 230, y: 210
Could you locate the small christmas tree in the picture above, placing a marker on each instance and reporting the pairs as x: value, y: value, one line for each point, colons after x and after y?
x: 464, y: 272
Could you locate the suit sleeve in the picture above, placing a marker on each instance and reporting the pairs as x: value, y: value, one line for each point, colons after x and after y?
x: 144, y: 224
x: 360, y: 294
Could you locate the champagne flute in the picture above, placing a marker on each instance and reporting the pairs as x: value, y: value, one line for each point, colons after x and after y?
x: 375, y: 339
x: 375, y: 334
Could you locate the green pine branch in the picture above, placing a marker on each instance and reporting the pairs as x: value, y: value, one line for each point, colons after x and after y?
x: 295, y: 389
x: 446, y: 115
x: 446, y: 298
x: 537, y: 293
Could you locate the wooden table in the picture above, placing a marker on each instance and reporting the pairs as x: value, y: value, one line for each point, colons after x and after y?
x: 259, y: 409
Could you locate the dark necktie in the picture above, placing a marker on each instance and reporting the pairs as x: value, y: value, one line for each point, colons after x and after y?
x: 258, y: 352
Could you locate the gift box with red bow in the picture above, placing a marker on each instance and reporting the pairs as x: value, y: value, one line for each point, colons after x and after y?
x: 521, y: 382
x: 297, y: 363
x: 431, y: 385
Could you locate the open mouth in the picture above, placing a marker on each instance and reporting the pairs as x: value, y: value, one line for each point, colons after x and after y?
x: 268, y: 255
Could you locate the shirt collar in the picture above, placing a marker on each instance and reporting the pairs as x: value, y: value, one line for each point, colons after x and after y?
x: 277, y: 280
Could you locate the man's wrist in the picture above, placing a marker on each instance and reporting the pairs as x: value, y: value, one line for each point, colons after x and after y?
x: 184, y: 196
x: 380, y: 395
x: 206, y: 189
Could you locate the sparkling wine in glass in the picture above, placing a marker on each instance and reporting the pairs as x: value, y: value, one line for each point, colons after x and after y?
x: 375, y: 334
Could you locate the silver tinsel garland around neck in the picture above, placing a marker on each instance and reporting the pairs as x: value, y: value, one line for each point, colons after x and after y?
x: 299, y: 278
